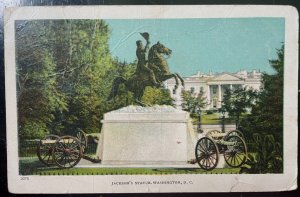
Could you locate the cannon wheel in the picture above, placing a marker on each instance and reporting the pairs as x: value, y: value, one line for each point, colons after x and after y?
x: 44, y: 150
x: 67, y: 152
x: 207, y: 153
x: 211, y: 134
x: 83, y: 139
x: 235, y: 155
x: 236, y: 133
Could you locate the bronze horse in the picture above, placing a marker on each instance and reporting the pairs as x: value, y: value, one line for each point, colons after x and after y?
x: 140, y: 80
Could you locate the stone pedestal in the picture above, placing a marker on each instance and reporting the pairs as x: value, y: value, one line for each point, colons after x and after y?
x: 146, y: 135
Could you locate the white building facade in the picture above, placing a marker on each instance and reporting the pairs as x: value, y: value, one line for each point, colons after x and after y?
x: 214, y: 85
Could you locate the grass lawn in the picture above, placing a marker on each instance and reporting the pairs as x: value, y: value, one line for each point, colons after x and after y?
x: 135, y: 171
x: 35, y: 167
x: 213, y: 119
x: 210, y: 119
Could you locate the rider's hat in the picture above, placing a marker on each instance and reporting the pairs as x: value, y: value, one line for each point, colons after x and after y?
x: 145, y: 35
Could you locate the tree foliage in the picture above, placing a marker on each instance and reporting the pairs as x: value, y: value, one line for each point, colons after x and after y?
x: 238, y: 101
x: 267, y: 158
x: 265, y: 122
x: 267, y: 113
x: 193, y: 102
x: 64, y: 75
x: 157, y: 96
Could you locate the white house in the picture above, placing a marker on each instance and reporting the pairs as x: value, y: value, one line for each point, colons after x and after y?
x: 213, y: 85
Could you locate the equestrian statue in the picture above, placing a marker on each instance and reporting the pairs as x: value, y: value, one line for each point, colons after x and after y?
x: 152, y: 69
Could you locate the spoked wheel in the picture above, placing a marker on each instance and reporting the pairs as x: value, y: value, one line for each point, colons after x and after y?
x: 236, y: 133
x: 83, y: 140
x: 235, y: 154
x: 44, y: 149
x: 67, y: 152
x: 207, y: 153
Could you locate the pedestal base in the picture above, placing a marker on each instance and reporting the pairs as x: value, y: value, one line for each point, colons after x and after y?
x: 145, y: 135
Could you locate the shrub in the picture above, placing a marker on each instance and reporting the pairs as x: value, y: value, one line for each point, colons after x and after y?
x: 267, y: 157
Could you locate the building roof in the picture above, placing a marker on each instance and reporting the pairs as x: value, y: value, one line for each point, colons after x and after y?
x: 225, y: 77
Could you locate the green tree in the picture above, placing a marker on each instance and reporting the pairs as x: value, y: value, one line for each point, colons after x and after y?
x: 193, y: 102
x: 238, y: 101
x: 267, y: 113
x: 84, y: 77
x: 267, y: 157
x: 37, y: 93
x: 62, y: 75
x: 266, y: 120
x: 156, y: 96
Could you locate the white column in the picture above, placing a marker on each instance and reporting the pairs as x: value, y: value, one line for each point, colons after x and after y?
x: 208, y: 97
x: 219, y: 95
x: 230, y: 87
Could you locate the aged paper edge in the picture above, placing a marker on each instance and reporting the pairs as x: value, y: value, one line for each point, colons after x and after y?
x: 201, y: 182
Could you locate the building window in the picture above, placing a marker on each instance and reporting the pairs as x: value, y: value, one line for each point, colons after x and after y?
x: 201, y: 90
x: 214, y: 90
x: 192, y: 90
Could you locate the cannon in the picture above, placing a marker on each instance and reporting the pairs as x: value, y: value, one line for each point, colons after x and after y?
x: 65, y: 151
x: 231, y: 144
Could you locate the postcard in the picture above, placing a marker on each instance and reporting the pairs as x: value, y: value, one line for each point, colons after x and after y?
x: 151, y: 99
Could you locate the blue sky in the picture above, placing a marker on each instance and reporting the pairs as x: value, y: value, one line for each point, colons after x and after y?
x: 218, y: 45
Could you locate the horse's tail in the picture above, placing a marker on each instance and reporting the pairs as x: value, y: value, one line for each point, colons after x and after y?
x: 115, y: 87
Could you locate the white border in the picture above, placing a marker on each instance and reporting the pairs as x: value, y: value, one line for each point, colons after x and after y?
x: 201, y: 182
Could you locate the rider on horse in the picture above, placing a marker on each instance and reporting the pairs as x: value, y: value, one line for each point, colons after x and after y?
x: 142, y: 55
x: 152, y: 69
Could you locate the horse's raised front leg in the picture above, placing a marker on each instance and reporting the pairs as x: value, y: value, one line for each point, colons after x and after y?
x: 176, y: 83
x: 180, y: 78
